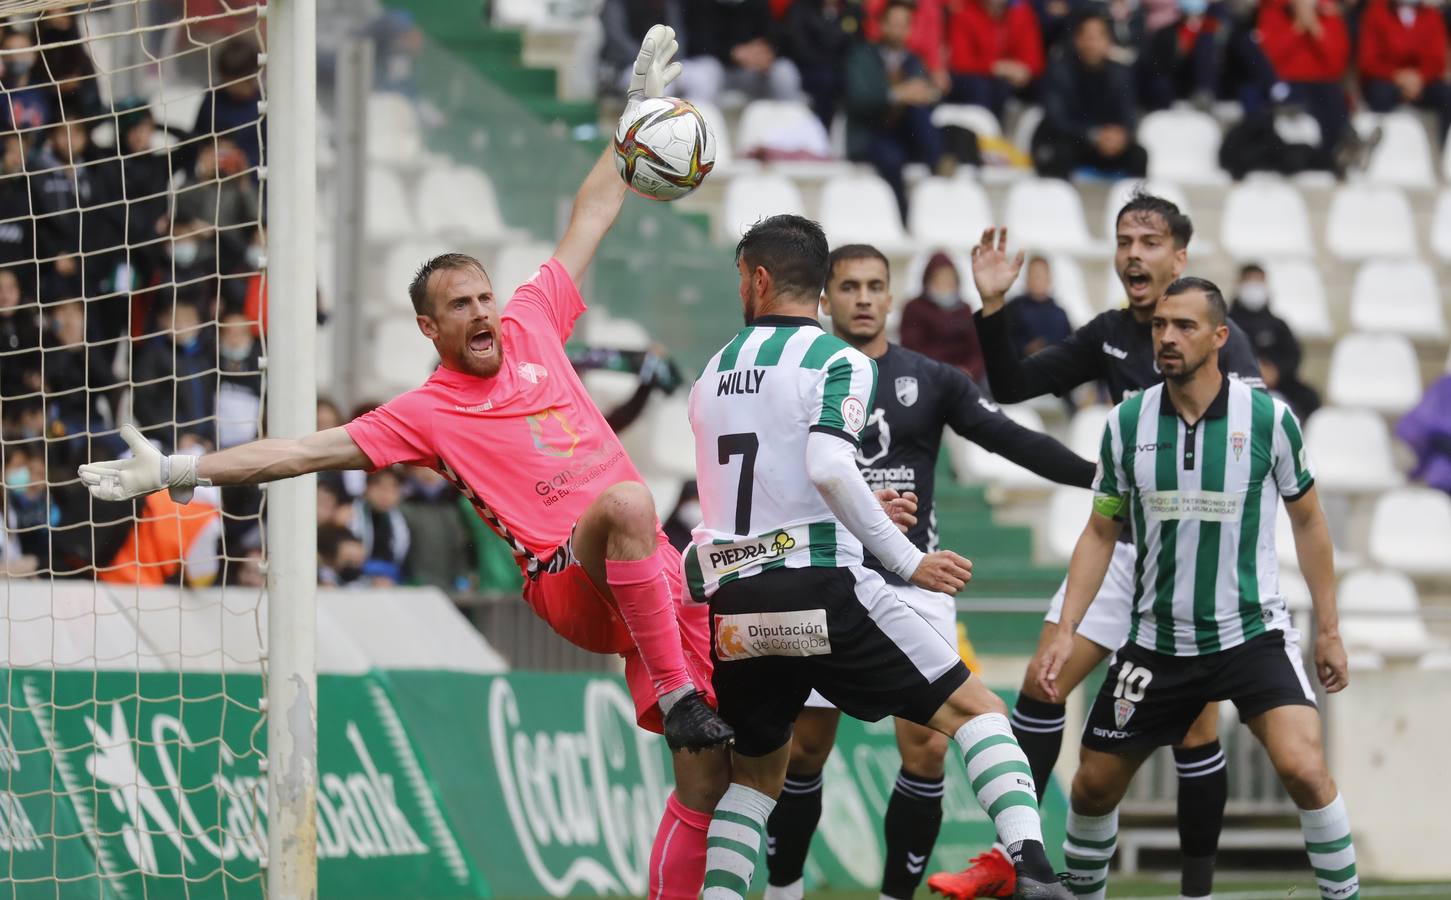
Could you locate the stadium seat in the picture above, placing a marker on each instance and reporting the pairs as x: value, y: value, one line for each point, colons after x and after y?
x: 399, y: 355
x: 1297, y: 295
x: 1375, y: 371
x: 459, y: 200
x: 1297, y: 128
x: 751, y: 197
x: 1351, y: 450
x: 973, y: 463
x: 389, y: 213
x: 1410, y: 530
x: 1046, y: 215
x: 949, y: 212
x: 1399, y: 297
x: 1441, y: 225
x: 176, y: 104
x: 1403, y: 156
x: 1265, y: 218
x: 601, y: 329
x: 725, y: 152
x: 1366, y: 221
x: 1124, y: 188
x: 977, y: 119
x: 783, y: 125
x: 1085, y: 431
x: 1067, y: 514
x: 1183, y: 146
x: 1285, y: 546
x: 861, y: 209
x: 516, y: 264
x: 399, y: 266
x: 519, y: 13
x: 1382, y: 613
x: 394, y: 135
x: 672, y: 440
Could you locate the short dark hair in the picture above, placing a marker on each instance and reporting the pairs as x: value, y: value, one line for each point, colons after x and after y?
x: 849, y: 252
x: 792, y: 248
x: 418, y: 289
x: 1218, y: 312
x: 330, y: 537
x: 1251, y: 269
x: 1141, y: 202
x: 1091, y: 14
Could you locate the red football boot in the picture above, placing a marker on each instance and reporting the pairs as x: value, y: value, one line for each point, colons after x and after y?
x: 988, y: 875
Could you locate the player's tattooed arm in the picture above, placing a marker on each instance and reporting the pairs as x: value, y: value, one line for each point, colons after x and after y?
x: 1316, y: 555
x: 1086, y: 571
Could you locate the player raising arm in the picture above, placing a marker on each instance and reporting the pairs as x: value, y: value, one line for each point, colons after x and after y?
x: 1198, y: 464
x: 508, y: 422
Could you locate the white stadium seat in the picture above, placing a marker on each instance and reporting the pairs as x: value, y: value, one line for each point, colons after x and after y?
x: 752, y: 197
x: 1085, y: 431
x: 725, y: 155
x: 1350, y: 450
x: 1382, y: 613
x: 1399, y: 297
x: 1410, y: 530
x: 399, y: 266
x: 950, y: 212
x: 520, y: 13
x: 977, y: 119
x: 861, y: 209
x: 1403, y: 156
x: 973, y: 463
x: 672, y: 441
x: 394, y: 135
x: 1264, y: 218
x: 516, y: 264
x: 1067, y: 514
x: 1297, y: 295
x: 1123, y: 189
x: 401, y: 357
x: 459, y: 200
x: 389, y: 213
x: 1367, y: 221
x: 1297, y: 128
x: 1375, y: 371
x: 782, y: 125
x: 1046, y: 214
x: 1441, y: 225
x: 1183, y: 146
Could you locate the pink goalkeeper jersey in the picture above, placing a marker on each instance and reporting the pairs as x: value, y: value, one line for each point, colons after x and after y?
x: 528, y: 446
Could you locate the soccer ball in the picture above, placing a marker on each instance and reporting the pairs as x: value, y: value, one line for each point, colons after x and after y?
x: 664, y: 148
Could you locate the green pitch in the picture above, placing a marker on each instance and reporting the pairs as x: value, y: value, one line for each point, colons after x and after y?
x: 1226, y: 887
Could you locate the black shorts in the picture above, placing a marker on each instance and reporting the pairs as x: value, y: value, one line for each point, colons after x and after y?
x: 776, y: 635
x: 1151, y: 699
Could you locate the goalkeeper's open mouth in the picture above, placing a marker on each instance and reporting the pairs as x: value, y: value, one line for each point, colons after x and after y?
x: 481, y: 343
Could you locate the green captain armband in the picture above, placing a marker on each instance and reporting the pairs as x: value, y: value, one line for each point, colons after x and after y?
x: 1108, y: 507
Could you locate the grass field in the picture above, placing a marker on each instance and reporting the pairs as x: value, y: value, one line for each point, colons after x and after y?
x: 1227, y: 887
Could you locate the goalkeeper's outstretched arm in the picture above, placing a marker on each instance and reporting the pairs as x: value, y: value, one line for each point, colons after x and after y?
x: 269, y: 459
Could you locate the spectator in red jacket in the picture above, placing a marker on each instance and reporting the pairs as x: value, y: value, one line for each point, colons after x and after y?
x: 995, y: 51
x: 1308, y: 47
x: 1402, y: 58
x: 926, y: 39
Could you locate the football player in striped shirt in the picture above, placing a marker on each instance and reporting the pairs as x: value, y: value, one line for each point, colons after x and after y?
x: 1194, y: 467
x: 786, y: 515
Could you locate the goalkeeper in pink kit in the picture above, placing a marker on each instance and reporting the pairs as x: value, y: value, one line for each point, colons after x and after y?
x: 509, y: 423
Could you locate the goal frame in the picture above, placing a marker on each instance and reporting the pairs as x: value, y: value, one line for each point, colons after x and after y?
x: 290, y: 177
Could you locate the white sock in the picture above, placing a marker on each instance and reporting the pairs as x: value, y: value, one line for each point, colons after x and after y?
x: 1000, y: 777
x: 796, y: 890
x: 668, y: 700
x: 1205, y: 897
x: 1087, y: 848
x: 1332, y: 855
x: 733, y: 842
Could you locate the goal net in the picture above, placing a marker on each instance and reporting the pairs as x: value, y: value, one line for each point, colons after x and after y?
x: 132, y: 635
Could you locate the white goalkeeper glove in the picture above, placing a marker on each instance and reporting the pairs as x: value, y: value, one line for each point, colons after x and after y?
x: 145, y: 472
x: 653, y: 70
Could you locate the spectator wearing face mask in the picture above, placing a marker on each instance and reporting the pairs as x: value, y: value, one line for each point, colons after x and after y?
x: 340, y: 556
x: 239, y: 388
x: 1274, y: 342
x: 81, y: 390
x: 175, y: 378
x: 32, y: 99
x: 379, y: 524
x: 1402, y: 58
x: 27, y: 514
x: 216, y: 216
x: 938, y: 324
x: 1183, y: 59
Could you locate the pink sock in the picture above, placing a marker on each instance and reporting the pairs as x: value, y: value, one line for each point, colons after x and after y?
x: 643, y: 597
x: 677, y: 860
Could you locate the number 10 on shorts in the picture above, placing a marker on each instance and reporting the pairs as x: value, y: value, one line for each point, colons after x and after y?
x: 1133, y: 683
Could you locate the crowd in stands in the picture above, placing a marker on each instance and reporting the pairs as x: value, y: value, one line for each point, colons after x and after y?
x: 1092, y: 67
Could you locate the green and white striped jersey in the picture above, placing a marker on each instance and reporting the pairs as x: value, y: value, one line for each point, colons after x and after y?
x: 1201, y: 502
x: 779, y: 379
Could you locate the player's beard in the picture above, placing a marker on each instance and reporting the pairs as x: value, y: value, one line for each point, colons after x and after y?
x: 1187, y: 369
x: 751, y: 301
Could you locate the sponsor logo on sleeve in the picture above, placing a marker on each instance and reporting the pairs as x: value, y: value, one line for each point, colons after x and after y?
x: 748, y: 635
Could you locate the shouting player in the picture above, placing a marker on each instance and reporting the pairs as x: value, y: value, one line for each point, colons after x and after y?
x: 1115, y: 349
x: 1199, y: 464
x: 506, y: 420
x: 915, y: 398
x: 777, y: 415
